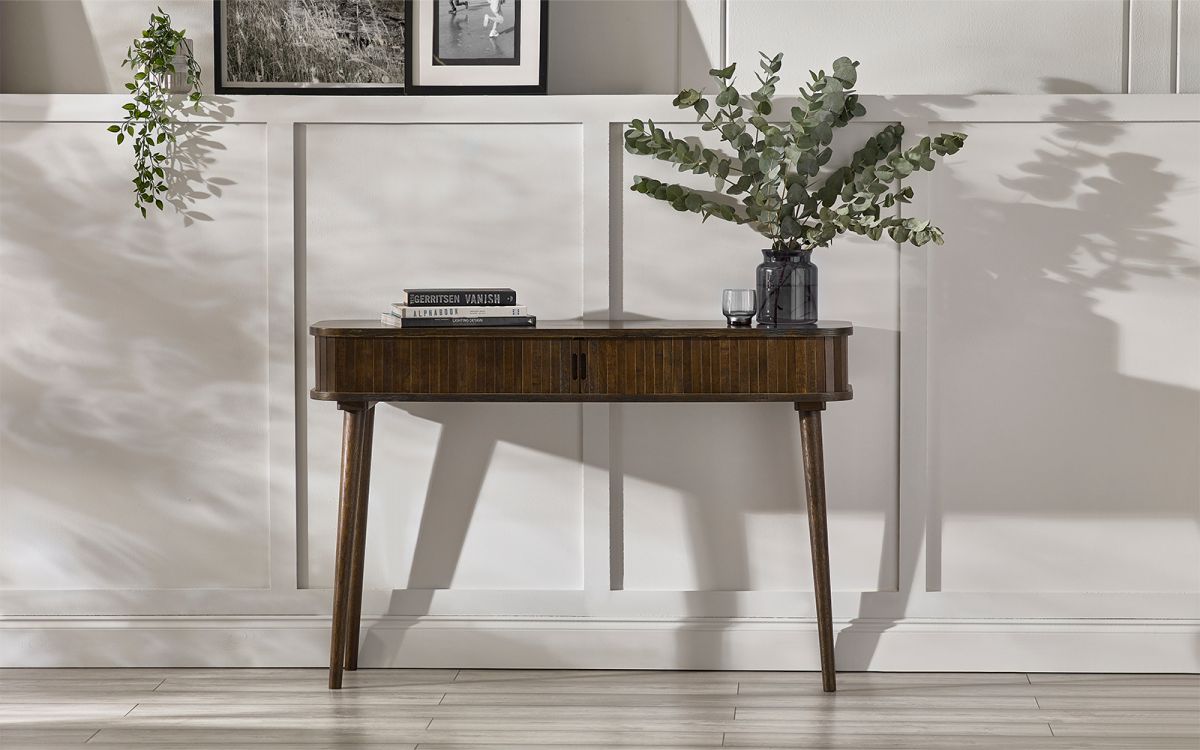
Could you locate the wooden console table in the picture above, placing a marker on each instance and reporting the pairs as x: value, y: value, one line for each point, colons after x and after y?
x: 359, y: 363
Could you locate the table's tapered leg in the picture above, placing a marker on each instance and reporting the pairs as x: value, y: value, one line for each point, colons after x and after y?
x: 352, y: 444
x: 358, y: 549
x: 814, y: 480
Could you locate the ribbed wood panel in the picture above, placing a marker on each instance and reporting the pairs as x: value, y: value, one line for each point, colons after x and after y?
x: 714, y: 367
x: 571, y: 368
x: 425, y: 366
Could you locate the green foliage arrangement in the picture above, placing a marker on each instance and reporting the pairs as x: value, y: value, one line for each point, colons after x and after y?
x: 150, y: 118
x: 785, y: 194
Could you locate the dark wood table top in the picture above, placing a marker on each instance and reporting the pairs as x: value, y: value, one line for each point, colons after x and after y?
x: 589, y: 328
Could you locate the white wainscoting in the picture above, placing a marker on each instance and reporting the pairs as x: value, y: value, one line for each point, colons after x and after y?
x: 1014, y: 486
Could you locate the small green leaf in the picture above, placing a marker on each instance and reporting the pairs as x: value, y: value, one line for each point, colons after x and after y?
x: 844, y: 71
x: 686, y: 98
x: 723, y: 73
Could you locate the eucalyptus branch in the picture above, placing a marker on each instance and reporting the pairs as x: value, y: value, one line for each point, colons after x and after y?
x: 777, y: 167
x: 647, y: 140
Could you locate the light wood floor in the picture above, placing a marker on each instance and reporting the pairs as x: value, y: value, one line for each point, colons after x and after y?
x: 427, y: 708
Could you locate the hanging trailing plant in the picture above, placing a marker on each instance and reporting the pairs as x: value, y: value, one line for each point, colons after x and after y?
x: 774, y: 182
x: 157, y: 88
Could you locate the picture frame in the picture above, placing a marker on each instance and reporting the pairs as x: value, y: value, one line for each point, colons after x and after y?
x: 473, y: 47
x: 318, y: 37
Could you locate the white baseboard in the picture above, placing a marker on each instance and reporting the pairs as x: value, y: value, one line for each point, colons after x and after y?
x: 1079, y: 645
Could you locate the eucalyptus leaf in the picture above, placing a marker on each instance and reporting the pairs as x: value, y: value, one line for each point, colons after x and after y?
x: 686, y: 98
x: 723, y: 73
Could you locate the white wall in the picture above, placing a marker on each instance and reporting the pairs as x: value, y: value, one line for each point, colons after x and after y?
x: 658, y: 46
x: 1014, y: 485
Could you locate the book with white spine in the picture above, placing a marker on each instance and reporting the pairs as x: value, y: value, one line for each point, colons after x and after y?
x: 460, y: 311
x: 507, y: 321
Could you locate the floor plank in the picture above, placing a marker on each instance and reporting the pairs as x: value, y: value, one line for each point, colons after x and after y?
x: 61, y: 735
x: 546, y: 709
x: 1129, y: 680
x: 960, y: 716
x: 352, y: 737
x: 928, y: 726
x: 1131, y: 702
x: 646, y: 714
x: 951, y: 742
x: 811, y: 698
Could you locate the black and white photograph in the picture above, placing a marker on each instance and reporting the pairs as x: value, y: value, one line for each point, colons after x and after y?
x: 477, y: 32
x: 477, y: 46
x: 320, y: 46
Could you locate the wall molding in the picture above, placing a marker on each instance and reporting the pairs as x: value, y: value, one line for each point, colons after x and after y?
x: 1016, y: 645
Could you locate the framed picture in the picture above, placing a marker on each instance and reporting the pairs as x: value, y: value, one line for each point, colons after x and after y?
x: 477, y: 46
x: 310, y: 46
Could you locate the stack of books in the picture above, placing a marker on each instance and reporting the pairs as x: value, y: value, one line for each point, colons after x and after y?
x: 458, y: 308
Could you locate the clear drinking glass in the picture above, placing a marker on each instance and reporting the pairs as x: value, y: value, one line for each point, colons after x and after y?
x: 739, y: 306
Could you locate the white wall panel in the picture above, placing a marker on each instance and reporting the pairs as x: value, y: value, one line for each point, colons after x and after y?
x: 1152, y: 46
x: 484, y: 497
x: 1013, y: 486
x: 940, y: 46
x: 1065, y: 359
x: 713, y: 493
x: 1187, y: 43
x: 132, y: 366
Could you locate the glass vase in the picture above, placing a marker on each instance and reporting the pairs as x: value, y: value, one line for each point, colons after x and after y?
x: 787, y: 288
x: 177, y: 82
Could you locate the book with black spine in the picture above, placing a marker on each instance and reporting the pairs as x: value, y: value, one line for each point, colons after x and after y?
x: 514, y: 321
x: 458, y: 297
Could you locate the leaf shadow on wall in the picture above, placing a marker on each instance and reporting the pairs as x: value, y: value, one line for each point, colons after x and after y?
x: 131, y: 370
x: 191, y: 157
x: 1034, y: 417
